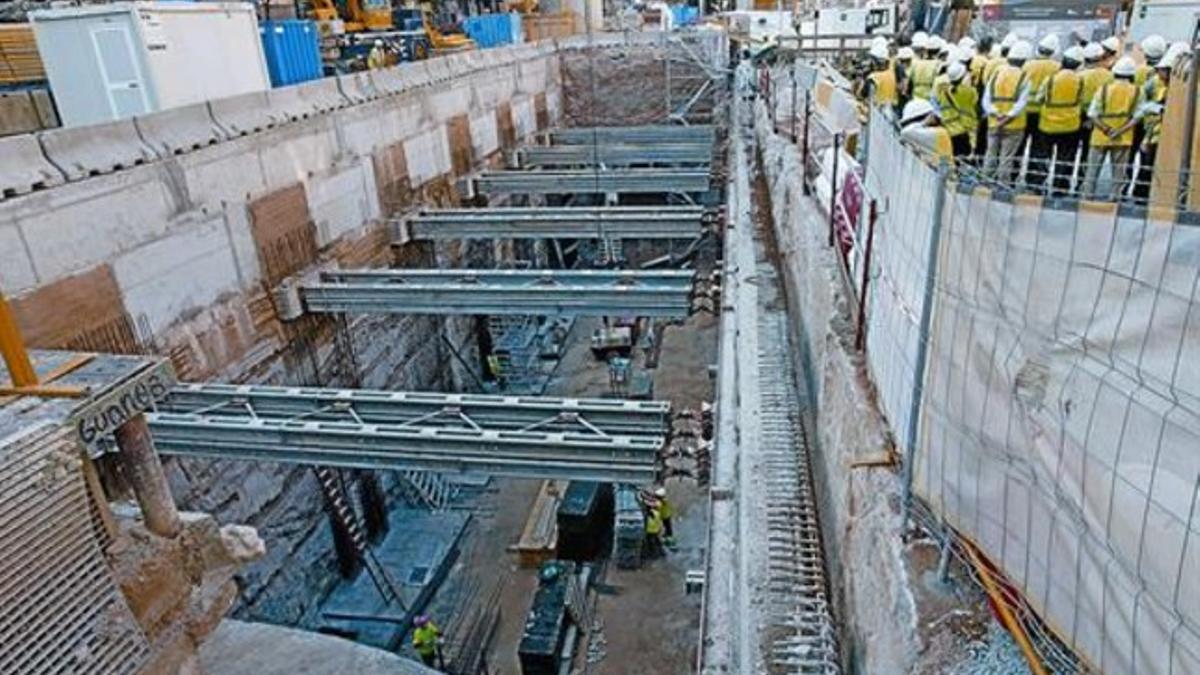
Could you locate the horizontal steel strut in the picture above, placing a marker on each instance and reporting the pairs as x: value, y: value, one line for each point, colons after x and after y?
x: 622, y: 222
x: 646, y: 181
x: 613, y: 155
x: 531, y: 437
x: 650, y: 134
x: 503, y: 292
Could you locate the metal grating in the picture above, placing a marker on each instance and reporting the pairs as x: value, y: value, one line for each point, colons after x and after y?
x: 60, y: 609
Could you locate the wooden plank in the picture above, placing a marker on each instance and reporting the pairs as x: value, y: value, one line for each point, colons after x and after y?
x: 1165, y: 181
x: 539, y: 539
x: 84, y: 313
x: 284, y: 232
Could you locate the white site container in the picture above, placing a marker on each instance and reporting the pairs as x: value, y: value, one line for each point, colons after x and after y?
x: 107, y: 62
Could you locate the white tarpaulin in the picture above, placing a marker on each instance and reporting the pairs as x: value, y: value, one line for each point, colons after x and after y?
x: 1059, y: 422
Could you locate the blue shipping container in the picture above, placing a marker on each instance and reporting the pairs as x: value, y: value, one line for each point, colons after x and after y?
x: 493, y: 30
x: 292, y: 49
x: 684, y: 15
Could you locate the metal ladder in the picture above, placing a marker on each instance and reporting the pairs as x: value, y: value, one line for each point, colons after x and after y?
x: 422, y: 488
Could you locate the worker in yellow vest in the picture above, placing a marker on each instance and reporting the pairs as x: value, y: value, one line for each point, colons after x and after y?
x: 377, y: 57
x: 1114, y: 112
x: 1038, y: 70
x: 426, y: 641
x: 1154, y: 47
x: 904, y: 60
x: 979, y: 57
x: 1061, y: 100
x: 955, y: 100
x: 1004, y: 102
x: 1154, y: 96
x: 1094, y: 75
x: 921, y: 127
x: 1112, y: 50
x: 924, y: 68
x: 882, y: 85
x: 654, y: 531
x: 666, y: 511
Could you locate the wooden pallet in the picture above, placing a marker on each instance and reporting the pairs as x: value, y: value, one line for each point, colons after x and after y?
x: 19, y: 58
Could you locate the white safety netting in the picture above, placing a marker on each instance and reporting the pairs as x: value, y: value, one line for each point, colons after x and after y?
x: 1057, y: 423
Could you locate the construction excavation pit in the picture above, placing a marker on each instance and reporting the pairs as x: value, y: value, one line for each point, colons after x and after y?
x: 547, y: 359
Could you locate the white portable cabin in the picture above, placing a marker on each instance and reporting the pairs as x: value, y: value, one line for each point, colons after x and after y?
x: 107, y: 62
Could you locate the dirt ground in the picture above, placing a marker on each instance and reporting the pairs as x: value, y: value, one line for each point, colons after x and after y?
x: 646, y: 622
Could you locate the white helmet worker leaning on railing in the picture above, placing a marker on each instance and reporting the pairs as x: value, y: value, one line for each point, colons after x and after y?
x: 920, y: 126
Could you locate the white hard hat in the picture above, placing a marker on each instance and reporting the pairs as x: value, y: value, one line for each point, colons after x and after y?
x: 956, y: 72
x: 1009, y: 40
x: 879, y: 51
x: 920, y: 40
x: 1022, y: 51
x: 950, y: 54
x: 1167, y: 62
x: 966, y: 54
x: 996, y: 52
x: 1049, y: 44
x: 379, y: 43
x: 1074, y: 53
x: 905, y: 54
x: 1125, y: 67
x: 935, y: 43
x: 1111, y: 44
x: 916, y: 110
x: 660, y: 492
x: 1174, y: 52
x: 1093, y: 51
x: 967, y: 42
x: 1154, y: 47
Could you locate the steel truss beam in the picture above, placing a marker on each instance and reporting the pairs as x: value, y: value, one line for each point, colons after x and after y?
x: 503, y: 292
x: 531, y: 437
x: 651, y: 134
x: 609, y: 416
x: 623, y: 222
x: 594, y: 182
x: 616, y: 155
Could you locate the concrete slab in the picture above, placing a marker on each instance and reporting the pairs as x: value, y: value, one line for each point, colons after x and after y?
x: 96, y: 149
x: 427, y: 155
x: 323, y: 95
x: 357, y: 87
x: 16, y: 270
x: 179, y: 130
x: 25, y: 168
x: 342, y: 200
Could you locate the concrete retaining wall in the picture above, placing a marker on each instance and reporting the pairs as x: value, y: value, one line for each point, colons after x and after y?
x: 163, y: 205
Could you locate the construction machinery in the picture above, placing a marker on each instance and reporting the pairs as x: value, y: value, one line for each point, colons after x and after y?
x: 351, y: 28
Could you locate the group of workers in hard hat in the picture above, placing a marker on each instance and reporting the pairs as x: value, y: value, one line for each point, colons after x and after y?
x: 659, y: 513
x: 983, y: 103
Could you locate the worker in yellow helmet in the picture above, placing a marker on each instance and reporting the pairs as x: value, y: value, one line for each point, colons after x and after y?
x: 1038, y: 70
x: 1061, y: 100
x: 921, y: 127
x: 1154, y: 97
x: 1114, y: 112
x: 1004, y: 101
x: 955, y: 100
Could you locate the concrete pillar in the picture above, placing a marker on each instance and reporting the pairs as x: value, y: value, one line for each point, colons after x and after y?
x: 144, y: 472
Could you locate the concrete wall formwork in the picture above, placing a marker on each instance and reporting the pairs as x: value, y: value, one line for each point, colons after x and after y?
x: 165, y: 209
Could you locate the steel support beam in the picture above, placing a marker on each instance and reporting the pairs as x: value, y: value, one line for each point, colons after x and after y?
x: 608, y: 416
x: 654, y: 134
x: 594, y: 182
x: 616, y: 155
x: 524, y: 454
x: 508, y: 292
x: 623, y: 222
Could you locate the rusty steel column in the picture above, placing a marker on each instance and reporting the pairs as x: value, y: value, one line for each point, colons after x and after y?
x: 144, y: 472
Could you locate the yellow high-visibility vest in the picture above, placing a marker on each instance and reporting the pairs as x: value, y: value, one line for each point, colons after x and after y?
x: 943, y: 147
x: 654, y: 524
x: 883, y: 87
x: 990, y: 68
x: 922, y: 75
x: 957, y: 104
x: 1062, y: 103
x: 1006, y: 89
x: 1155, y: 91
x: 1039, y: 71
x: 977, y: 67
x: 1119, y: 100
x: 1142, y: 74
x: 424, y: 639
x: 1094, y: 78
